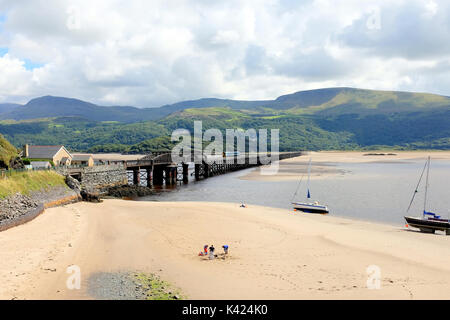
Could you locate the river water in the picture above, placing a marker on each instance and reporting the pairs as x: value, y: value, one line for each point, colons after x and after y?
x: 377, y: 191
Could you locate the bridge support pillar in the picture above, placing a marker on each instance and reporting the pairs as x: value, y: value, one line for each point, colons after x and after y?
x: 197, y: 171
x: 207, y: 168
x: 168, y: 175
x: 158, y: 177
x: 174, y: 175
x: 136, y: 177
x: 185, y: 173
x: 149, y: 177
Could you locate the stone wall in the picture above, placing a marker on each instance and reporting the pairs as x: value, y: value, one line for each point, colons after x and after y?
x: 98, y: 179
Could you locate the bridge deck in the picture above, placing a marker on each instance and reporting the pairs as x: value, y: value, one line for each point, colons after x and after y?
x: 161, y: 158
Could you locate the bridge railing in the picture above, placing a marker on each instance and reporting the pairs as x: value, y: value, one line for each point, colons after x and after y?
x: 165, y: 157
x: 138, y: 163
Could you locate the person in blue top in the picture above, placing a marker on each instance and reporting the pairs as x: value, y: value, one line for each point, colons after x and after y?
x: 225, y: 248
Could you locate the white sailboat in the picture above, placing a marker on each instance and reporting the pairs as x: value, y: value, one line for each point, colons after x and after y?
x: 309, y: 207
x: 429, y: 222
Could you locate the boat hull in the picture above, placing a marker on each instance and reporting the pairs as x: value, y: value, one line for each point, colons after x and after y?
x: 429, y: 225
x: 310, y: 208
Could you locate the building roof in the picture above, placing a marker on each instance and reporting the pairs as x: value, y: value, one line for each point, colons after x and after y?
x: 81, y: 157
x: 43, y: 152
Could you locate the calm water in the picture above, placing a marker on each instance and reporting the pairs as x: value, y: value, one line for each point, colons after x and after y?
x: 369, y: 191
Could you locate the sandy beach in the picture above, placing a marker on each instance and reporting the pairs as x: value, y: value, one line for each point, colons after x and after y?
x: 274, y: 253
x: 323, y: 163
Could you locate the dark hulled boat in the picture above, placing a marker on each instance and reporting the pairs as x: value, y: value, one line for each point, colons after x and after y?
x: 429, y: 222
x: 429, y: 225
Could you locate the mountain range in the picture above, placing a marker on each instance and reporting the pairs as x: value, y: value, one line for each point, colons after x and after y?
x: 330, y: 118
x: 323, y: 101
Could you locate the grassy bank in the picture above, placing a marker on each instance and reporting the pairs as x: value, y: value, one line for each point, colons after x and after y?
x: 7, y: 152
x: 27, y: 181
x: 156, y: 289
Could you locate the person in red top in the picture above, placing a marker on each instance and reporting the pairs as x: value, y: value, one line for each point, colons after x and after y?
x: 204, y: 252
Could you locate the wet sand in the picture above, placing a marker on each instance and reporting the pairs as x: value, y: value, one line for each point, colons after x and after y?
x: 323, y: 164
x: 274, y: 253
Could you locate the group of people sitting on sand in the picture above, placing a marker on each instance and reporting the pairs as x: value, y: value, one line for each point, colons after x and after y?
x: 211, y: 254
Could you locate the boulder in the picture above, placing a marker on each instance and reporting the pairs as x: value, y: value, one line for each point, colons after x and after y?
x: 73, y: 184
x: 90, y: 197
x: 16, y: 163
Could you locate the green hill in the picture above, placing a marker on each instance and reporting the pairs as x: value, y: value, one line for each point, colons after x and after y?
x: 331, y: 118
x: 350, y: 100
x: 328, y: 101
x: 8, y: 107
x: 50, y: 107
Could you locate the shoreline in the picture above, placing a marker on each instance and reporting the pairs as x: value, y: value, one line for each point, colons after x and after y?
x: 274, y: 253
x: 323, y: 163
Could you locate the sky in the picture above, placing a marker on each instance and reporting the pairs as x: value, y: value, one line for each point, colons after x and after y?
x: 148, y: 53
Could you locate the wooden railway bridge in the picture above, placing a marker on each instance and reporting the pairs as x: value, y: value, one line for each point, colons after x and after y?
x: 158, y: 168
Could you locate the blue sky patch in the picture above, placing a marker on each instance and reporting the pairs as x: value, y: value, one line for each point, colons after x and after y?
x: 3, y: 51
x: 30, y: 65
x: 2, y: 20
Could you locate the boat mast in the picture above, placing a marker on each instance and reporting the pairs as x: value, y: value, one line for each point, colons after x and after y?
x: 426, y: 187
x: 296, y: 190
x: 416, y: 190
x: 309, y: 176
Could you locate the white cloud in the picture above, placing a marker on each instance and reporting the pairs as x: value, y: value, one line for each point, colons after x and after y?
x: 14, y: 78
x: 149, y: 53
